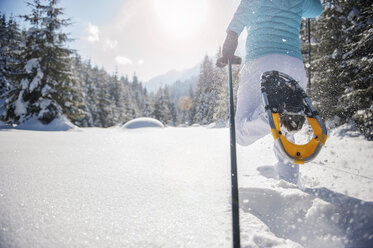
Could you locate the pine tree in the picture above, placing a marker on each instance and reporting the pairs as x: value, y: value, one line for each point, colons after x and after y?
x: 342, y: 82
x: 128, y: 111
x: 327, y: 86
x: 221, y: 109
x: 162, y: 111
x: 115, y: 91
x: 356, y: 102
x: 148, y: 107
x: 11, y: 54
x: 206, y: 93
x: 3, y: 47
x: 191, y: 114
x: 171, y: 107
x: 137, y: 95
x: 82, y: 119
x: 44, y: 86
x: 104, y: 103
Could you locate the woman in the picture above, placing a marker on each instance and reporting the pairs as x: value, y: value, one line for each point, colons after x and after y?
x: 272, y: 43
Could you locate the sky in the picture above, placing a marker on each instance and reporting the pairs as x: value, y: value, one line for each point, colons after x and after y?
x: 146, y: 37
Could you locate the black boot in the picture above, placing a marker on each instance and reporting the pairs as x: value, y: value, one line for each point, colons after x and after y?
x: 286, y: 99
x: 292, y: 122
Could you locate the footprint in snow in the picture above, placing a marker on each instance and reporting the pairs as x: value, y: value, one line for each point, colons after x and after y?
x: 311, y: 217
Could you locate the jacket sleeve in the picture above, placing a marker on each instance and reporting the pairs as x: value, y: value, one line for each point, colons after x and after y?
x: 312, y: 8
x: 240, y: 17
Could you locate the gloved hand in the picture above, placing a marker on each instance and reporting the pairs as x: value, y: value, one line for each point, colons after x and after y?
x: 230, y: 44
x: 229, y: 47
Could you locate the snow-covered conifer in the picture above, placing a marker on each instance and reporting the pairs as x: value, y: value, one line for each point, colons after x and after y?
x: 356, y: 102
x: 161, y: 106
x: 11, y: 59
x: 45, y: 88
x: 327, y: 86
x: 342, y: 63
x: 206, y: 92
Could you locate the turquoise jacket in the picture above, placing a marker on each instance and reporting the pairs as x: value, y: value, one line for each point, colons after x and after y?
x: 273, y: 25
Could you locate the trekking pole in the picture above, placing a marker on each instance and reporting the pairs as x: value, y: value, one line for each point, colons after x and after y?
x: 309, y: 56
x: 234, y: 181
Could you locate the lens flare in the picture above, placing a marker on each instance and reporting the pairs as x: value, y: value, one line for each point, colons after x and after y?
x: 181, y: 18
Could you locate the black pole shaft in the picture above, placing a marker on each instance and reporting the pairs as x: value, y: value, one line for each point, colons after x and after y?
x: 234, y: 181
x: 309, y: 56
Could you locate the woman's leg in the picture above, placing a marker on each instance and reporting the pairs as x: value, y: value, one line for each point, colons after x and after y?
x: 251, y: 122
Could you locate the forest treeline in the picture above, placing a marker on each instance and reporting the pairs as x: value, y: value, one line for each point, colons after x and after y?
x: 40, y: 77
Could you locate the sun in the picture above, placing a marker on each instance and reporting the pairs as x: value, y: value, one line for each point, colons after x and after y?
x: 181, y: 18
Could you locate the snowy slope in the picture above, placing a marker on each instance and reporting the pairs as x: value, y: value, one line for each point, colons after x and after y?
x: 171, y: 188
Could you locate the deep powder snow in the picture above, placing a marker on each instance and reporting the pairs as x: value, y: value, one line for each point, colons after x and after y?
x: 170, y: 187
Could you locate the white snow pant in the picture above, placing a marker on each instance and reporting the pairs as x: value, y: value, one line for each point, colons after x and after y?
x: 251, y: 122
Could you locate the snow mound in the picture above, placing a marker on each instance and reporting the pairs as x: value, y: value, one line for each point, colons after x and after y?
x: 58, y: 124
x: 142, y: 123
x: 219, y: 124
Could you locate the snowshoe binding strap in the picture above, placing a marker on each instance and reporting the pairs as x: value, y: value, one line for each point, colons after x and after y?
x: 283, y: 95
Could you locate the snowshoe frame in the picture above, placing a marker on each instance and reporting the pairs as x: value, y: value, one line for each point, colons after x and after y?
x: 297, y: 154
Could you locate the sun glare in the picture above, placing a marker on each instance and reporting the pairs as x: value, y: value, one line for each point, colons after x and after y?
x: 181, y: 18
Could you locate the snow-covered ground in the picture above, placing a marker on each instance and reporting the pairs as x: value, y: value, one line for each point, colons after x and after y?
x: 170, y: 187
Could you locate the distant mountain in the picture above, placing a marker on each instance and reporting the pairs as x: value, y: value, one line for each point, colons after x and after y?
x: 171, y: 77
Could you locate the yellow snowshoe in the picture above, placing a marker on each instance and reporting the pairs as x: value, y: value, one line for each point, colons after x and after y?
x: 286, y: 102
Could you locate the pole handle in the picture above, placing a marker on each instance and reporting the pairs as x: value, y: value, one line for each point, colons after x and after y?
x: 223, y: 61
